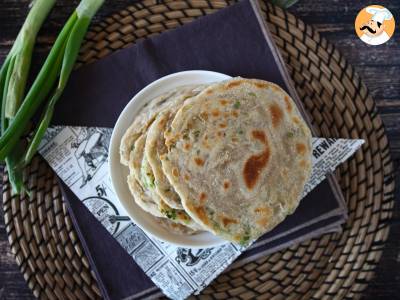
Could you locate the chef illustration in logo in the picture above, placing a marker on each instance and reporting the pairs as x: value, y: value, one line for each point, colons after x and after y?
x: 375, y: 25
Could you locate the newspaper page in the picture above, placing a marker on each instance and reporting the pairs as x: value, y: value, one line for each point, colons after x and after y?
x: 79, y: 156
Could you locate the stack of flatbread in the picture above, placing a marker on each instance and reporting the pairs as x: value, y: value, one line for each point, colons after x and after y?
x: 231, y: 158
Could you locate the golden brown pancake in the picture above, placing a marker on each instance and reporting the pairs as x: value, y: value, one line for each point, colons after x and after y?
x: 238, y: 155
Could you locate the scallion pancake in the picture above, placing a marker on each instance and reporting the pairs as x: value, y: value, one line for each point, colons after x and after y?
x: 147, y: 115
x: 141, y: 178
x: 239, y: 155
x: 142, y: 188
x: 155, y: 147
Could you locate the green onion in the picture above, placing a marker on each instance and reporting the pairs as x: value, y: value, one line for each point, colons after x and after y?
x: 40, y: 89
x: 49, y: 83
x: 6, y: 79
x: 196, y: 134
x: 236, y: 105
x: 85, y: 12
x: 14, y: 173
x: 13, y: 77
x: 21, y: 54
x: 290, y: 134
x: 245, y: 240
x: 169, y: 213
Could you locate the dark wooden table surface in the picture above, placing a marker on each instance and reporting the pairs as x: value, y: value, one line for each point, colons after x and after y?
x: 379, y: 66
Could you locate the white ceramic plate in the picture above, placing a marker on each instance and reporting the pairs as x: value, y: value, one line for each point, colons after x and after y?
x: 119, y: 172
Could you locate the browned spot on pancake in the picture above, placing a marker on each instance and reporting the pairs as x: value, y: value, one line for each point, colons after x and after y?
x: 227, y: 184
x: 234, y: 83
x: 209, y: 92
x: 288, y: 104
x: 175, y: 225
x: 222, y: 125
x: 199, y: 161
x: 187, y: 146
x: 223, y: 102
x: 262, y: 221
x: 204, y: 116
x: 235, y: 114
x: 206, y: 144
x: 276, y: 114
x: 215, y: 113
x: 237, y: 237
x: 261, y: 85
x: 261, y: 210
x: 167, y: 133
x: 182, y: 215
x: 162, y: 123
x: 175, y: 172
x: 303, y: 164
x: 203, y: 197
x: 264, y: 213
x: 227, y: 221
x: 170, y: 141
x: 274, y: 88
x: 256, y: 163
x: 301, y: 149
x: 260, y: 135
x: 202, y: 215
x: 186, y: 177
x: 296, y: 120
x: 235, y: 139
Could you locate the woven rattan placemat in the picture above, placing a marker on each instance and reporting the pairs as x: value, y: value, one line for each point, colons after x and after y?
x: 49, y: 253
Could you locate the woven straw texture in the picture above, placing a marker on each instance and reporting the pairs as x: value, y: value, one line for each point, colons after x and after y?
x: 49, y: 253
